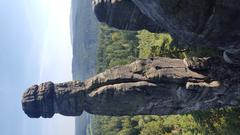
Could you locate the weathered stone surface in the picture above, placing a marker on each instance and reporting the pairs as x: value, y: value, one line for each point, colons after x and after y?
x: 124, y: 15
x: 160, y: 86
x: 211, y: 23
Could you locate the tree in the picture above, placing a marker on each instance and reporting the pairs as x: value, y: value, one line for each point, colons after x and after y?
x: 122, y: 47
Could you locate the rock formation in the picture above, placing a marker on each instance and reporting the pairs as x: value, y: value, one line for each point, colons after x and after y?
x: 211, y: 23
x: 159, y: 86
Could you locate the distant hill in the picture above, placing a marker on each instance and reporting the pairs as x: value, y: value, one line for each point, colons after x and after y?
x: 84, y: 32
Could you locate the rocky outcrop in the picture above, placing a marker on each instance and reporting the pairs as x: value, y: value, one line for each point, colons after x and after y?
x: 211, y: 23
x: 124, y: 15
x: 159, y: 86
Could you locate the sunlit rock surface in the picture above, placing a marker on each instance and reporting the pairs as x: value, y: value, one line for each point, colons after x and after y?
x: 212, y: 23
x: 159, y: 86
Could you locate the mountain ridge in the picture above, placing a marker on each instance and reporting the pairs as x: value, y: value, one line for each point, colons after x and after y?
x: 84, y: 32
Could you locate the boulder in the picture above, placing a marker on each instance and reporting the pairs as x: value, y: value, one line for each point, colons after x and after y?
x: 209, y: 23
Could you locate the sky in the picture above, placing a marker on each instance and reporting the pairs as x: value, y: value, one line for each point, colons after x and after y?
x: 34, y: 48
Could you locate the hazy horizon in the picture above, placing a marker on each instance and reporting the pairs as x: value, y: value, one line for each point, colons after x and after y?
x: 35, y: 47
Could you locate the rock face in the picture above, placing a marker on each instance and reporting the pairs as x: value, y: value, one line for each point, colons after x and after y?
x: 211, y: 23
x: 159, y: 86
x: 124, y: 15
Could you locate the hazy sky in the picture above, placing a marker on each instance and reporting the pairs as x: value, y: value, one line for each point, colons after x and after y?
x: 34, y: 48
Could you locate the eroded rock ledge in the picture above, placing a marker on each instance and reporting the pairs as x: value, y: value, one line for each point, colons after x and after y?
x: 159, y: 86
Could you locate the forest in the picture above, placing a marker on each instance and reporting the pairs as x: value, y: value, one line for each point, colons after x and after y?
x: 118, y: 47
